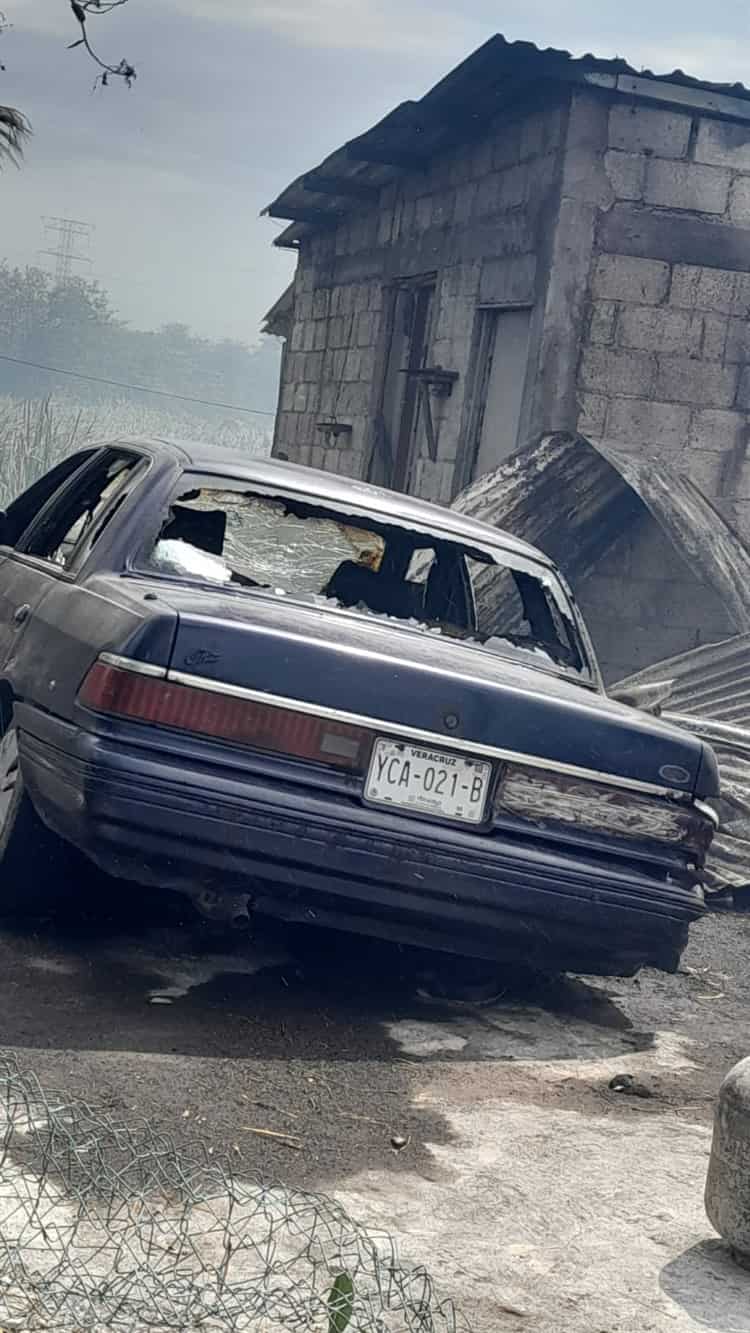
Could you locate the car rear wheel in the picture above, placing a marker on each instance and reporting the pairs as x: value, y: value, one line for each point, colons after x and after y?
x: 34, y: 862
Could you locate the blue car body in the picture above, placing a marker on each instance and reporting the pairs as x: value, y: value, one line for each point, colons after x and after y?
x: 209, y: 737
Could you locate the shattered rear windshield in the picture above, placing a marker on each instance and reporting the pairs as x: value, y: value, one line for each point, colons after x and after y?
x: 222, y: 534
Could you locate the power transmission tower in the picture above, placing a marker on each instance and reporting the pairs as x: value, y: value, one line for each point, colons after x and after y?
x: 68, y: 232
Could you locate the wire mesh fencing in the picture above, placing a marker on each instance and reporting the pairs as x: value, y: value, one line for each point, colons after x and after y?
x: 107, y: 1225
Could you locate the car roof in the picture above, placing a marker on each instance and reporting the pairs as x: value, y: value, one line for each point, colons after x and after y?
x: 337, y: 489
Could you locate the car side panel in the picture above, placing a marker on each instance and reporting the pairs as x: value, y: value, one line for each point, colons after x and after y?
x: 22, y: 585
x: 72, y: 624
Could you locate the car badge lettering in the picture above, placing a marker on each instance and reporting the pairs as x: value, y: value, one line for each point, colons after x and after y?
x: 201, y: 657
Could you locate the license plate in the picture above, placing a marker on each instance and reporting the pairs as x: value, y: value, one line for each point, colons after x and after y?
x: 428, y: 782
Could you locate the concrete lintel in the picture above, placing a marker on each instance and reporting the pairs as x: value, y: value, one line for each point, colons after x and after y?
x: 628, y: 230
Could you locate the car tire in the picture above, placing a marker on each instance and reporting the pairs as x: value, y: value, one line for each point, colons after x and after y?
x: 34, y: 861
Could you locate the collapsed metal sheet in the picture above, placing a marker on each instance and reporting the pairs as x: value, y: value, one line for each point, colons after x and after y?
x: 715, y: 553
x: 573, y: 497
x: 709, y: 694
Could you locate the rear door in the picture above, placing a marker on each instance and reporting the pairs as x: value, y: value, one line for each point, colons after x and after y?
x: 22, y: 586
x: 44, y: 561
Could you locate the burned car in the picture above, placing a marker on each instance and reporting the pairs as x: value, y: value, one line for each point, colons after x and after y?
x: 258, y: 684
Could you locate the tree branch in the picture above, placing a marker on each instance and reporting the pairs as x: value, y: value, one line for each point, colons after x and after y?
x: 83, y: 10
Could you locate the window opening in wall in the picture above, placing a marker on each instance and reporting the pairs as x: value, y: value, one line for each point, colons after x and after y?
x: 501, y: 348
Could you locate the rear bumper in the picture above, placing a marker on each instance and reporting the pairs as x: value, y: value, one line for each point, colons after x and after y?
x: 174, y: 819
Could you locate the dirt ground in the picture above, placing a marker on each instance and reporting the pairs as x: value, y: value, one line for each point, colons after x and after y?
x: 539, y: 1198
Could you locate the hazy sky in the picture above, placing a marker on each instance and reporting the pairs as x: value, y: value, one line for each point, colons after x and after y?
x: 236, y: 97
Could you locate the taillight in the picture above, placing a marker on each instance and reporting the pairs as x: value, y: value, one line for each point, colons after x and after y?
x: 118, y: 692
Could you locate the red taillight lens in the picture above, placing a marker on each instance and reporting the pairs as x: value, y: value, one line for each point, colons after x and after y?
x: 116, y: 691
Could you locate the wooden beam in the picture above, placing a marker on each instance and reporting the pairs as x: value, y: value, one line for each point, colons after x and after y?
x: 341, y: 187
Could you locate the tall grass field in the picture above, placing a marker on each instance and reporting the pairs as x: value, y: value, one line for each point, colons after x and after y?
x: 36, y: 433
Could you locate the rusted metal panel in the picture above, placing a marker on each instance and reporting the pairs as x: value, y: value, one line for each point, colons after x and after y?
x: 710, y: 696
x: 573, y: 497
x: 563, y: 497
x: 715, y: 553
x: 711, y: 682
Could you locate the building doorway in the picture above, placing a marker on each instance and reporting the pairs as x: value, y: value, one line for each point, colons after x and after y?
x: 495, y: 394
x: 402, y: 413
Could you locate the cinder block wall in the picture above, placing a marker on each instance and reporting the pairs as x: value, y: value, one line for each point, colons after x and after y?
x: 627, y: 227
x: 478, y: 219
x: 664, y: 368
x: 665, y: 365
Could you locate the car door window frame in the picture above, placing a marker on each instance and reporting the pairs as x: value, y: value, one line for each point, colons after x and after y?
x: 50, y: 485
x: 89, y: 539
x: 77, y: 481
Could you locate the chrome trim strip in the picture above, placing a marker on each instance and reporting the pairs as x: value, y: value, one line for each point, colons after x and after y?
x: 382, y: 727
x: 291, y: 636
x: 705, y: 809
x: 129, y: 664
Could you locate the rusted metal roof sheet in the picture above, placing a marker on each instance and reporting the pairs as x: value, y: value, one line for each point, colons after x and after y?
x: 710, y: 695
x: 572, y: 497
x: 493, y: 79
x: 710, y: 682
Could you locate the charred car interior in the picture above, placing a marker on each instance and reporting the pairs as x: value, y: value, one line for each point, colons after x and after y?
x: 294, y: 549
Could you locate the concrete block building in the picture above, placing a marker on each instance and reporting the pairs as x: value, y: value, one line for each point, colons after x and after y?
x: 539, y: 244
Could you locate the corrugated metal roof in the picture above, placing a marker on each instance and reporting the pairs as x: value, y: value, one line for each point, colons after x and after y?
x: 711, y: 682
x: 571, y: 497
x: 710, y: 695
x: 494, y: 78
x: 278, y: 318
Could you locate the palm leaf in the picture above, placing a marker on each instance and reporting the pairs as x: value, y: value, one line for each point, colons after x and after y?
x: 14, y: 130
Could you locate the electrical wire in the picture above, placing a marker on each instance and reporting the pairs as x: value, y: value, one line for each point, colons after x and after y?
x: 139, y: 388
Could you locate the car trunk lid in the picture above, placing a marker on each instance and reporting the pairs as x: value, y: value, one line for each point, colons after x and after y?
x: 395, y: 677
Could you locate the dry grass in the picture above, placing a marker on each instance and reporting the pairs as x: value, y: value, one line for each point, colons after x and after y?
x: 35, y: 434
